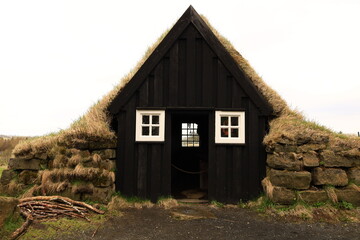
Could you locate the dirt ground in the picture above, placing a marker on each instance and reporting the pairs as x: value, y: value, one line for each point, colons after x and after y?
x: 218, y: 223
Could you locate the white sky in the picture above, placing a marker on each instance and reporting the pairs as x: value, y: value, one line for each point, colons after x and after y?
x: 57, y: 58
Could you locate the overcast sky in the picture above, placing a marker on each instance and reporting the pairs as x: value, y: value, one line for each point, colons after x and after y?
x: 57, y: 58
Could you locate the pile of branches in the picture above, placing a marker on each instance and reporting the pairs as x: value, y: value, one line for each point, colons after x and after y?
x: 44, y: 208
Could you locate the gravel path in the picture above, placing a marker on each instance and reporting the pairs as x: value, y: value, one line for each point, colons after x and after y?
x: 157, y: 223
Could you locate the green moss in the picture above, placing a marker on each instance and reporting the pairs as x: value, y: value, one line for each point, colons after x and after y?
x: 12, y: 223
x: 217, y: 204
x: 344, y: 205
x: 64, y: 226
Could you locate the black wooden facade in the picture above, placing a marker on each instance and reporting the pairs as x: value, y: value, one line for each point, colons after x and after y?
x: 190, y: 75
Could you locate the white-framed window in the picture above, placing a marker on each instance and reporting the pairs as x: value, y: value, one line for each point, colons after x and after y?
x: 150, y: 125
x: 229, y: 127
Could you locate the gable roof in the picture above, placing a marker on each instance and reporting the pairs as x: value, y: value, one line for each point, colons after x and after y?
x: 190, y: 17
x: 94, y: 125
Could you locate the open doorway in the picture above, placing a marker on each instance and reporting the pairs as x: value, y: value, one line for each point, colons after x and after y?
x: 189, y: 156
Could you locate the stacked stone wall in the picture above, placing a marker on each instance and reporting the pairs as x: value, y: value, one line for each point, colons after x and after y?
x: 311, y: 171
x: 86, y: 172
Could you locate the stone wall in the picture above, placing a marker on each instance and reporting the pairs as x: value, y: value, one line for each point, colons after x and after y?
x: 82, y: 173
x: 312, y: 171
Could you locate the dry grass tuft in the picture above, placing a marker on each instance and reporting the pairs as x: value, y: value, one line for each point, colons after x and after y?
x: 299, y: 211
x: 168, y: 203
x: 118, y: 203
x: 331, y: 194
x: 268, y: 187
x: 354, y: 186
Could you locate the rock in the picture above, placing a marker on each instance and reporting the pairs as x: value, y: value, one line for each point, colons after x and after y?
x: 28, y: 177
x: 83, y: 188
x: 283, y: 195
x: 102, y: 145
x: 281, y: 148
x: 41, y: 156
x: 7, y: 176
x: 102, y: 195
x: 348, y: 195
x: 7, y: 208
x: 310, y: 159
x: 290, y: 179
x: 329, y: 176
x: 109, y: 165
x: 106, y: 153
x: 330, y: 159
x: 105, y: 180
x: 21, y: 164
x: 310, y: 147
x: 312, y: 196
x: 354, y: 175
x: 287, y: 161
x: 352, y: 153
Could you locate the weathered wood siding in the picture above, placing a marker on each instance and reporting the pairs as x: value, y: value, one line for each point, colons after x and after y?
x: 190, y: 76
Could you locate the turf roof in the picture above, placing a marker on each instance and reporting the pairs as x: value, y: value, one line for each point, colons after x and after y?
x: 95, y: 124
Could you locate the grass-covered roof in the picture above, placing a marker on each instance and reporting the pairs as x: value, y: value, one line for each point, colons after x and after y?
x: 287, y: 126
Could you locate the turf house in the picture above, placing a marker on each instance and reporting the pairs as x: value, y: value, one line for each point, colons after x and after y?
x: 193, y: 114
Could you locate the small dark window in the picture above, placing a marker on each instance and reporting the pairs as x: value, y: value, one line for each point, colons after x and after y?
x: 189, y: 135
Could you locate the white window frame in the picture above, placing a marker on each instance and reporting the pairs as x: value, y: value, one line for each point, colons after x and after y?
x: 241, y: 127
x: 138, y: 135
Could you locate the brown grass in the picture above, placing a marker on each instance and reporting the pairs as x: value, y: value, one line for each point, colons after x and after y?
x: 331, y: 194
x: 6, y: 147
x: 268, y: 187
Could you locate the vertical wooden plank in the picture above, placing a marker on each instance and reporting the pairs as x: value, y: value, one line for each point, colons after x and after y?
x: 156, y: 158
x: 198, y: 71
x: 150, y: 80
x: 190, y: 68
x: 262, y: 152
x: 221, y: 187
x: 129, y: 169
x: 207, y: 73
x: 149, y: 170
x: 166, y: 161
x: 158, y: 85
x: 222, y: 85
x: 212, y: 183
x: 142, y: 170
x: 174, y: 75
x: 182, y: 73
x: 165, y: 81
x: 120, y: 152
x: 144, y: 94
x: 245, y: 171
x: 254, y: 150
x: 229, y: 90
x: 237, y: 94
x: 228, y: 174
x: 236, y: 165
x: 215, y: 80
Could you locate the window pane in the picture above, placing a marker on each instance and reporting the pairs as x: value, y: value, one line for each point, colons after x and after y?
x: 155, y: 119
x: 224, y: 132
x: 145, y: 131
x: 154, y: 131
x: 224, y: 121
x: 234, y: 132
x: 145, y: 119
x: 234, y: 121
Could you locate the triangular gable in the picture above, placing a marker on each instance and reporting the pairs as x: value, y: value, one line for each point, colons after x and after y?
x: 190, y: 17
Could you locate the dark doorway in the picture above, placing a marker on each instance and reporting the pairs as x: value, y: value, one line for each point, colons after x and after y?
x: 189, y: 155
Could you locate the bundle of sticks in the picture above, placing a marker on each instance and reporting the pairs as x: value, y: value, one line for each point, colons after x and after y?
x: 44, y: 208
